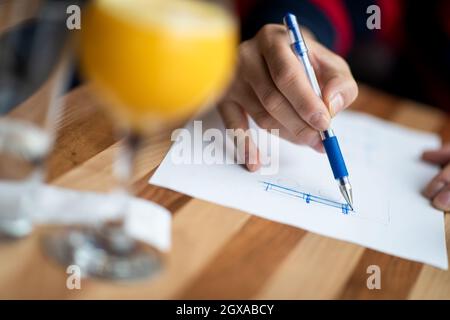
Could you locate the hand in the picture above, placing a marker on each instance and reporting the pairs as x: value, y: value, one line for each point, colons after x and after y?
x: 438, y: 190
x: 271, y: 86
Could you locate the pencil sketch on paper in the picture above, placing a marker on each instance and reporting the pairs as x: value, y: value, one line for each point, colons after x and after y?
x: 281, y: 187
x: 344, y: 207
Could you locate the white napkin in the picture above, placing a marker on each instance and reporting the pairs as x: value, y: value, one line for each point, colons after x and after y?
x: 144, y: 220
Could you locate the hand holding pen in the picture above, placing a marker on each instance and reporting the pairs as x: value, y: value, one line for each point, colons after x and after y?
x: 272, y: 87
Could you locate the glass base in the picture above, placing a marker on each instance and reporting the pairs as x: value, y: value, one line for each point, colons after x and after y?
x: 108, y: 254
x: 11, y: 229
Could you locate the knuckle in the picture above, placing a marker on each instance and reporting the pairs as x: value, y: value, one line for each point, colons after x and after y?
x: 269, y: 35
x: 234, y: 124
x: 303, y: 139
x: 271, y: 100
x: 284, y: 75
x: 299, y: 131
x: 282, y: 72
x: 264, y: 121
x: 245, y: 49
x: 265, y: 32
x: 245, y: 54
x: 308, y: 106
x: 228, y: 121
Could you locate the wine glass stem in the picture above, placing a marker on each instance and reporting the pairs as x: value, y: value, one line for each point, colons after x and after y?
x: 124, y: 164
x: 113, y: 232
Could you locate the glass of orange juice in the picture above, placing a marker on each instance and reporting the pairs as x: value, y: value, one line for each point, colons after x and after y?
x: 155, y: 63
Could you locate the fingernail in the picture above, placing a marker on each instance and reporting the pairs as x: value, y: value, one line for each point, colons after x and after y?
x: 432, y: 189
x: 320, y: 121
x: 336, y: 104
x: 252, y: 167
x: 252, y: 159
x: 442, y: 200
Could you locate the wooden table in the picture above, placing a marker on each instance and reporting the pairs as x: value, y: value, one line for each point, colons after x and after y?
x: 217, y: 252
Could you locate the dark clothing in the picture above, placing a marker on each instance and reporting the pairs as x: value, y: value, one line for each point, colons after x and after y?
x: 409, y: 55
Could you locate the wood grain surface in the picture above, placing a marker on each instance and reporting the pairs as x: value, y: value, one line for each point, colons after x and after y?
x: 217, y: 252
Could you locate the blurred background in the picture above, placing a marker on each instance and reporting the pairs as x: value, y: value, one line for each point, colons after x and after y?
x: 408, y: 56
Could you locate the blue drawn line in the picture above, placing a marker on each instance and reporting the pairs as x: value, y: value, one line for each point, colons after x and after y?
x: 345, y: 208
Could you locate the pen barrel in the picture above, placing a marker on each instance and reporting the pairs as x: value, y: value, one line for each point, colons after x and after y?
x: 335, y: 158
x: 329, y: 141
x: 310, y: 73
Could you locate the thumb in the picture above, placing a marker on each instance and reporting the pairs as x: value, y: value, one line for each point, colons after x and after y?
x: 339, y: 88
x: 339, y: 92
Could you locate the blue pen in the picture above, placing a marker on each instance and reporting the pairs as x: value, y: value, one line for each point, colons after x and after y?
x: 329, y: 140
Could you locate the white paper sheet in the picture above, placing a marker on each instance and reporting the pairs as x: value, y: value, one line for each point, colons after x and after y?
x: 385, y: 170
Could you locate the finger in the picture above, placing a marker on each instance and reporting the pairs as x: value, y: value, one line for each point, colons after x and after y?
x: 339, y: 92
x: 439, y: 182
x: 251, y: 103
x: 442, y: 200
x: 439, y: 157
x: 339, y: 87
x: 289, y: 76
x: 255, y: 72
x: 235, y: 118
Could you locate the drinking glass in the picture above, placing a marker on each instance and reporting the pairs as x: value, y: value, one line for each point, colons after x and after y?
x: 34, y: 64
x: 155, y: 63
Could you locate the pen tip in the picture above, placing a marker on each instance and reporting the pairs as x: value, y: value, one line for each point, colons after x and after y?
x: 348, y: 195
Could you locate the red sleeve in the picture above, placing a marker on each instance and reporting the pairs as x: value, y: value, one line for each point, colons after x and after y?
x: 337, y: 14
x: 392, y: 21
